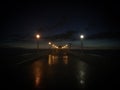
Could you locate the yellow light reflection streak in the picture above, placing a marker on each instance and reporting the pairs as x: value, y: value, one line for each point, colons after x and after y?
x: 65, y: 59
x: 37, y: 72
x: 52, y: 59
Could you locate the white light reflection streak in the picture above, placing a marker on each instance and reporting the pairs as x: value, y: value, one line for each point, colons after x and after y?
x: 82, y: 67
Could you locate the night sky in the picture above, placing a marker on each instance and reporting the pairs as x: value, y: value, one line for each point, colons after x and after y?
x: 60, y: 23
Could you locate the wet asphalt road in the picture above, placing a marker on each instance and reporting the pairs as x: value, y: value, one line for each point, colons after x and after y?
x: 58, y: 72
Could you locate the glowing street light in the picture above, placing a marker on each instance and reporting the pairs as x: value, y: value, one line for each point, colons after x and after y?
x: 66, y: 45
x: 50, y: 46
x: 81, y: 37
x: 49, y: 43
x: 38, y: 37
x: 53, y: 45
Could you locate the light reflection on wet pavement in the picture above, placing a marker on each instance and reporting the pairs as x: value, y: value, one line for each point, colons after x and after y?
x: 53, y: 72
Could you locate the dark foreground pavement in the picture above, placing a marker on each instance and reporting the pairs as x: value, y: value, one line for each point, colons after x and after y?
x: 71, y: 71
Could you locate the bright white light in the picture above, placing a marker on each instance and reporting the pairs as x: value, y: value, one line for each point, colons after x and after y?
x: 49, y: 43
x: 38, y: 36
x: 81, y: 36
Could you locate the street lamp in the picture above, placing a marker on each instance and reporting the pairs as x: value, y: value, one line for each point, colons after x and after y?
x: 50, y: 46
x: 49, y: 43
x: 81, y: 38
x: 38, y: 37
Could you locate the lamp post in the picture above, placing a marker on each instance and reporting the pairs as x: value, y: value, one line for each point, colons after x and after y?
x: 38, y: 37
x: 81, y: 38
x: 50, y: 46
x: 49, y: 43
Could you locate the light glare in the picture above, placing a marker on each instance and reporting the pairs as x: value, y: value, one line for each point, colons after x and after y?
x: 81, y: 36
x: 38, y: 36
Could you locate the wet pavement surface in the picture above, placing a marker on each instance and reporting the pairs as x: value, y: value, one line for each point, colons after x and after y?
x: 59, y: 72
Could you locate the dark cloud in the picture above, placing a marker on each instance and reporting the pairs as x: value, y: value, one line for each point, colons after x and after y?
x: 68, y: 35
x: 59, y: 24
x: 16, y: 37
x: 105, y: 35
